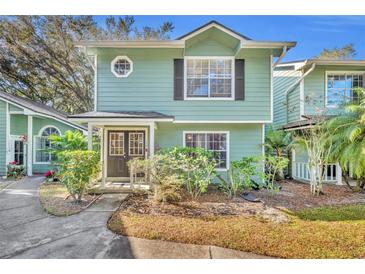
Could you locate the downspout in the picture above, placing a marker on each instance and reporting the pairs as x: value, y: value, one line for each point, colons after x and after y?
x: 285, y: 49
x: 291, y: 88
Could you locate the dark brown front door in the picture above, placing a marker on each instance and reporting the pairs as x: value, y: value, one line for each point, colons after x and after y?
x: 123, y: 146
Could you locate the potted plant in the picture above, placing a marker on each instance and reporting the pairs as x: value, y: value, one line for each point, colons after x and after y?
x: 14, y: 170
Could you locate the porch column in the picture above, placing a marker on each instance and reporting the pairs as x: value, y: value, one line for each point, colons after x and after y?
x: 30, y: 146
x: 152, y: 139
x: 339, y: 174
x: 89, y: 136
x: 102, y: 156
x: 293, y: 165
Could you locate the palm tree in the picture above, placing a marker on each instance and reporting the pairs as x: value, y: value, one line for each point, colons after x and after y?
x: 346, y: 132
x: 277, y: 142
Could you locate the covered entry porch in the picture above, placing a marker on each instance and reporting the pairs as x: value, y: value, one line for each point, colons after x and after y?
x: 122, y: 136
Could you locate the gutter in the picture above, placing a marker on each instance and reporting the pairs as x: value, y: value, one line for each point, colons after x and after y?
x: 291, y: 88
x: 285, y: 49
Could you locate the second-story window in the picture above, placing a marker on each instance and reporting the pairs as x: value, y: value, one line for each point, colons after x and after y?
x: 209, y: 78
x: 340, y: 87
x: 122, y: 66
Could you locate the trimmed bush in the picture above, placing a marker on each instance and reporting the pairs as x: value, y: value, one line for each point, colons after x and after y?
x: 76, y: 169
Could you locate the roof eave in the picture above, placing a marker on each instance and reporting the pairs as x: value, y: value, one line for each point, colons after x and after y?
x: 131, y: 44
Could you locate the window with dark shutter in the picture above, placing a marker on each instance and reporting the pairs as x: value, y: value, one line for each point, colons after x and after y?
x: 239, y: 79
x: 178, y: 79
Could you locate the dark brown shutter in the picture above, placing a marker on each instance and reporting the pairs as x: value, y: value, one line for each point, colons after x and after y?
x: 239, y: 85
x: 178, y: 79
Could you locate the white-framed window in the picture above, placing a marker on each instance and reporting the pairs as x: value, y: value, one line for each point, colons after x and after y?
x: 122, y: 66
x: 116, y: 143
x: 340, y: 86
x: 209, y: 78
x: 42, y: 145
x: 216, y: 142
x: 136, y: 143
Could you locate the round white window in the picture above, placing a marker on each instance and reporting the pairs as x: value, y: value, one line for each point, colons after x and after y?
x: 122, y: 66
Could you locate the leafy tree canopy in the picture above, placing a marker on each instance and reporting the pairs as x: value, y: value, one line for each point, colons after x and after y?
x: 347, y: 52
x: 38, y: 59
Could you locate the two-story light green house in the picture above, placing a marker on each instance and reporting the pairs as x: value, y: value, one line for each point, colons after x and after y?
x: 24, y: 129
x: 210, y: 88
x: 308, y: 88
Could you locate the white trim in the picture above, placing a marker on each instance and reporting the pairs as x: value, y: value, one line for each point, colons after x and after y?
x: 129, y: 144
x: 16, y: 111
x: 123, y: 57
x: 105, y: 144
x: 34, y: 149
x: 222, y: 122
x: 7, y: 139
x: 263, y: 150
x: 339, y: 72
x: 218, y: 132
x: 151, y: 132
x: 197, y: 32
x: 96, y: 82
x: 30, y: 146
x: 90, y: 137
x: 272, y: 89
x: 231, y: 98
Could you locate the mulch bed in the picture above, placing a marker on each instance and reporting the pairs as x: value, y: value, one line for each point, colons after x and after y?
x: 54, y: 199
x: 296, y: 195
x: 212, y: 204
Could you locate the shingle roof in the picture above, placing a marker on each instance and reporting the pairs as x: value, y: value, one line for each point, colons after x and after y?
x: 37, y: 107
x: 122, y: 114
x: 310, y: 120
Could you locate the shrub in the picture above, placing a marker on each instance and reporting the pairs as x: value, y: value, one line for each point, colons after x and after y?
x: 77, y: 168
x: 239, y: 176
x: 273, y: 166
x: 15, y: 171
x: 71, y: 140
x: 194, y: 166
x: 162, y: 174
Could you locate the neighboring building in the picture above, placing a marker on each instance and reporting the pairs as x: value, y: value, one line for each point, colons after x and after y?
x: 24, y: 129
x: 210, y: 88
x: 308, y: 88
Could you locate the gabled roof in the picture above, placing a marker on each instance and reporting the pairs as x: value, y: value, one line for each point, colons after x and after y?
x: 37, y: 108
x: 212, y: 24
x: 329, y: 62
x: 245, y: 41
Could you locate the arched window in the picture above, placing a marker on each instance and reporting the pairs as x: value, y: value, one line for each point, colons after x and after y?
x: 43, y: 144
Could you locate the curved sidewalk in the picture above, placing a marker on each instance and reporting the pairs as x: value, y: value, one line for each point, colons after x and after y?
x: 26, y: 231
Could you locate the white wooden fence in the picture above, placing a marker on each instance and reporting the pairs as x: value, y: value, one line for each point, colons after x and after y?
x: 332, y: 174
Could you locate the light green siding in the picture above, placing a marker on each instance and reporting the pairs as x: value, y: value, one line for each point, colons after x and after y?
x: 2, y: 138
x: 18, y: 124
x: 150, y: 87
x: 315, y: 88
x: 244, y: 139
x: 285, y: 113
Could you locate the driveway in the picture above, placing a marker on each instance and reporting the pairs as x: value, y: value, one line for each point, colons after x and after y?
x: 26, y: 231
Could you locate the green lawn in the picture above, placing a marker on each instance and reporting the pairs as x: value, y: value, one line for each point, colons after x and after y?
x: 333, y: 213
x: 329, y: 232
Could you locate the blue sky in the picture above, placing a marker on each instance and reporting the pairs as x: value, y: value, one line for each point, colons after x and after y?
x: 313, y: 33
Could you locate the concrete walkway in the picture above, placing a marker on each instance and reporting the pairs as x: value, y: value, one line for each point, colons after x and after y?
x: 26, y: 231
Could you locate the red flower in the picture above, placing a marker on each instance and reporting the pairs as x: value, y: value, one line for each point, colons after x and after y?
x: 49, y: 173
x: 13, y: 163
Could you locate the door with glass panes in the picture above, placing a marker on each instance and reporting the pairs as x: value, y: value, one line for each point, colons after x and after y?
x: 123, y: 146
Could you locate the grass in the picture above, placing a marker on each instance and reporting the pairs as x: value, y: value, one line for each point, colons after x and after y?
x: 52, y: 197
x: 333, y: 213
x: 344, y: 238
